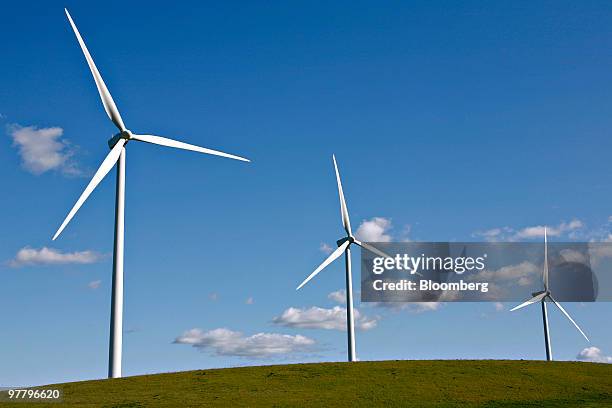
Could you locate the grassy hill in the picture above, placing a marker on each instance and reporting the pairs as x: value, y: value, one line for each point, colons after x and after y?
x: 384, y: 383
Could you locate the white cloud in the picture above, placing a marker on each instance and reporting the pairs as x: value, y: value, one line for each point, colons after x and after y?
x: 593, y: 355
x: 523, y: 272
x: 225, y: 342
x: 49, y: 256
x: 374, y: 230
x: 600, y: 252
x: 571, y: 255
x: 94, y: 284
x: 321, y: 318
x: 326, y: 249
x: 338, y: 296
x: 537, y: 231
x: 43, y: 149
x: 249, y: 301
x: 555, y: 231
x: 572, y: 225
x: 494, y: 234
x: 422, y: 307
x: 410, y: 307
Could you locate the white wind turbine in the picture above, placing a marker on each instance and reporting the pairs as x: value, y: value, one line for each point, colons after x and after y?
x: 541, y: 297
x: 344, y: 246
x: 117, y: 155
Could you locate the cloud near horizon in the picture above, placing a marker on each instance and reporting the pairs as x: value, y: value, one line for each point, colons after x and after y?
x: 593, y: 355
x: 338, y: 296
x: 321, y: 318
x: 49, y: 256
x: 225, y: 342
x: 43, y: 149
x: 410, y: 307
x: 537, y: 231
x: 523, y: 273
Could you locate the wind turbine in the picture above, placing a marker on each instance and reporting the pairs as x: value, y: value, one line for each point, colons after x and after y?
x: 541, y: 297
x: 117, y: 155
x: 344, y: 247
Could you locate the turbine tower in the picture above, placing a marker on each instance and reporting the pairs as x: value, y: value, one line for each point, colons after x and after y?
x: 117, y: 146
x: 541, y: 297
x: 344, y: 247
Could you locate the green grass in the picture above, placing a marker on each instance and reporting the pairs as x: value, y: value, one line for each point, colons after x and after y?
x: 383, y: 383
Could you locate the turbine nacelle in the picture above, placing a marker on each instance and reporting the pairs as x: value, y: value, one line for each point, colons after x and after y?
x: 126, y: 134
x: 350, y: 239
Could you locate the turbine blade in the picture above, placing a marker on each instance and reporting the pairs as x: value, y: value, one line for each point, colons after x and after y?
x: 346, y: 223
x: 372, y: 249
x: 569, y: 317
x: 545, y: 276
x: 163, y: 141
x: 534, y: 299
x: 102, y: 171
x: 332, y: 257
x: 107, y: 99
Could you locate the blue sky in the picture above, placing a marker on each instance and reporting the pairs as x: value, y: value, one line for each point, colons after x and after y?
x: 447, y: 120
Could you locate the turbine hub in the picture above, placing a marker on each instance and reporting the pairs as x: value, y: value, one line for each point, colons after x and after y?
x: 126, y: 134
x: 343, y: 240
